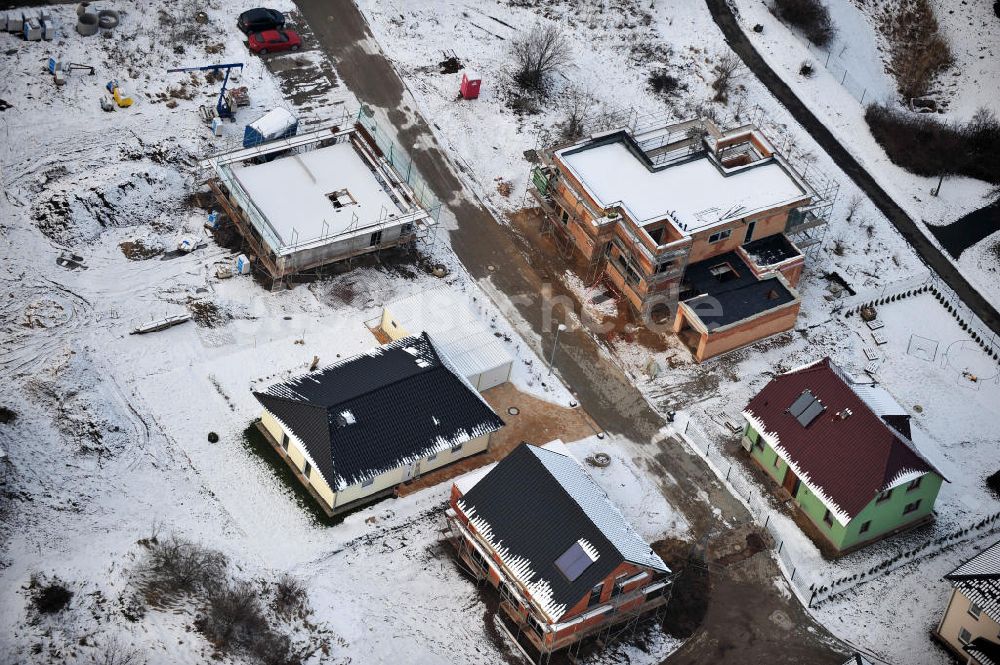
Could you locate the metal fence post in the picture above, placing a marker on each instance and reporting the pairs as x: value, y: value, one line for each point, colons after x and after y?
x: 780, y: 545
x: 767, y: 518
x: 792, y: 578
x: 728, y: 472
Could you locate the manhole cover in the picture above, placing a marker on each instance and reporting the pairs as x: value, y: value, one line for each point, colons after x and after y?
x: 491, y: 268
x: 513, y: 410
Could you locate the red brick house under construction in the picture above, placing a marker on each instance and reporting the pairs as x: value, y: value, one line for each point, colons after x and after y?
x: 689, y: 223
x: 566, y: 562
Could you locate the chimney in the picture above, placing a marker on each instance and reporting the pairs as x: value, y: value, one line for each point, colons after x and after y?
x: 844, y: 415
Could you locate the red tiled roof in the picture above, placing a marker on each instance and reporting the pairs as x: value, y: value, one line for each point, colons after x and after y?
x: 846, y: 461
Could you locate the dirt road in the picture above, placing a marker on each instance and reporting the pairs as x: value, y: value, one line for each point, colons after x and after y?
x: 739, y: 627
x: 931, y: 255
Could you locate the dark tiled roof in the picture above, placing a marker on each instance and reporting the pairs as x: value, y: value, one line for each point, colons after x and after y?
x: 846, y: 461
x: 534, y: 505
x: 979, y: 580
x: 721, y: 303
x: 984, y: 651
x: 378, y: 410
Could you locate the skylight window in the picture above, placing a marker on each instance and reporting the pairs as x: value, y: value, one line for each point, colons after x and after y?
x: 805, y: 408
x: 576, y: 559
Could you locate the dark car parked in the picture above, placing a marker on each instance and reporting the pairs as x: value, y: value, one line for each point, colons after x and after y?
x: 259, y: 19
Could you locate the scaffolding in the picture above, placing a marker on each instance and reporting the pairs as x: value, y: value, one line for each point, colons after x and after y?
x: 285, y: 254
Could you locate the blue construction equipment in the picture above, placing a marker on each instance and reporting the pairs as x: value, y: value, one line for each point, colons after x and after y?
x: 222, y: 108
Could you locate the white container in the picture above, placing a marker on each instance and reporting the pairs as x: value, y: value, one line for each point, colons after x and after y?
x: 217, y: 126
x: 15, y: 22
x: 48, y: 29
x: 59, y: 77
x: 3, y: 22
x: 242, y: 264
x: 32, y: 30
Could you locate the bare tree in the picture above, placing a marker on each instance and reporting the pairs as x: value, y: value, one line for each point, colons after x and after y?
x: 579, y: 107
x: 726, y: 69
x: 116, y: 652
x: 853, y: 204
x: 539, y: 53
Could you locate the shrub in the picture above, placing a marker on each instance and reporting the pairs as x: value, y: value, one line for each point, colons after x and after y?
x: 175, y: 567
x: 289, y: 596
x: 806, y: 69
x: 926, y: 146
x: 809, y: 16
x: 663, y: 83
x: 49, y: 597
x: 538, y: 54
x: 234, y: 622
x: 917, y: 51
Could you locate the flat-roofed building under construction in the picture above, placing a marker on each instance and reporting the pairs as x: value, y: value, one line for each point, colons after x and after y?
x: 689, y: 223
x: 323, y: 196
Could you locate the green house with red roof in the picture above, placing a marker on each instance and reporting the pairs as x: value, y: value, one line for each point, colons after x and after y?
x: 843, y: 451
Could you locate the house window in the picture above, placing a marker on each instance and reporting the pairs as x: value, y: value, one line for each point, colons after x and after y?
x: 914, y: 484
x: 564, y: 217
x: 455, y: 449
x: 376, y: 239
x: 720, y: 235
x: 865, y: 526
x: 975, y: 611
x: 964, y: 636
x: 777, y: 461
x: 595, y: 595
x: 665, y: 266
x: 911, y: 507
x: 284, y: 440
x: 369, y: 482
x: 307, y: 469
x: 619, y: 585
x: 828, y: 518
x: 405, y: 229
x: 759, y: 443
x: 884, y: 496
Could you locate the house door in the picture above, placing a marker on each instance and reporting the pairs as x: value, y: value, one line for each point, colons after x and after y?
x: 409, y: 470
x: 791, y: 482
x: 749, y: 235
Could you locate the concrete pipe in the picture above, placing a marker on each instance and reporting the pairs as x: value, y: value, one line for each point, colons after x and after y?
x: 108, y: 19
x: 81, y: 9
x: 87, y: 24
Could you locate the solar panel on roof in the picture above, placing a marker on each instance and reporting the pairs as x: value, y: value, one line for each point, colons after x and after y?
x: 811, y: 412
x: 574, y: 561
x: 800, y: 403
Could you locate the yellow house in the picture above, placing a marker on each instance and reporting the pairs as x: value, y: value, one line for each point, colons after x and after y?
x: 970, y: 627
x: 356, y: 429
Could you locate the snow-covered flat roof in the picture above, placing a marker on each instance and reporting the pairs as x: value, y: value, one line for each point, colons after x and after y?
x: 696, y: 194
x: 293, y: 192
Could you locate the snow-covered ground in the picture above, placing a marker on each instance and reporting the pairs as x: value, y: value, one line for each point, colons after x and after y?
x: 860, y: 245
x: 110, y: 442
x: 850, y: 74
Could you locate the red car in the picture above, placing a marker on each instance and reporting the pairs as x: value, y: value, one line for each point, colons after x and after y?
x: 273, y: 41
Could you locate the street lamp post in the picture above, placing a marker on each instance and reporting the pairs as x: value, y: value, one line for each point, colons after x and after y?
x: 555, y: 345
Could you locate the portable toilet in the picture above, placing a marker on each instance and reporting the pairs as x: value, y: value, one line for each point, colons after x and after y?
x: 470, y: 84
x: 242, y: 265
x: 277, y: 123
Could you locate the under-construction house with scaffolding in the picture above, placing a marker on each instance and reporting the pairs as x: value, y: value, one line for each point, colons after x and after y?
x: 320, y: 197
x: 703, y: 229
x: 567, y: 564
